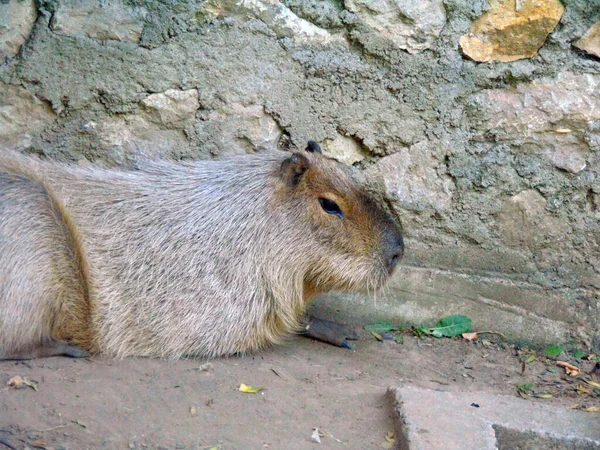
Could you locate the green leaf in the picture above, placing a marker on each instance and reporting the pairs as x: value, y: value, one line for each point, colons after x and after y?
x: 530, y: 359
x: 450, y: 326
x: 552, y: 350
x: 551, y: 369
x: 399, y: 339
x: 579, y: 354
x: 380, y: 327
x: 524, y: 387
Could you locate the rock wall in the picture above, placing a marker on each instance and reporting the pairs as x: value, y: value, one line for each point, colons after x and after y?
x: 479, y: 122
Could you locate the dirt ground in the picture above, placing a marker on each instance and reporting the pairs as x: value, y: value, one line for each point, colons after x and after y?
x: 146, y: 403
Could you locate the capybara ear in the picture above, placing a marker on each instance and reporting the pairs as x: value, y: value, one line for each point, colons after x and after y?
x: 293, y: 168
x: 313, y: 147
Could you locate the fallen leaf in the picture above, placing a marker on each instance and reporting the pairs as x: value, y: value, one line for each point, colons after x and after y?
x: 399, y: 339
x: 570, y: 369
x: 581, y: 390
x: 592, y: 383
x: 204, y: 367
x: 469, y: 336
x: 575, y: 406
x: 18, y: 382
x: 530, y: 359
x: 551, y: 369
x: 544, y: 396
x: 250, y: 389
x: 315, y: 436
x: 579, y: 354
x: 80, y: 423
x: 377, y: 336
x: 192, y: 411
x: 390, y: 437
x: 552, y: 350
x: 450, y: 326
x: 592, y: 409
x: 38, y: 443
x: 563, y: 130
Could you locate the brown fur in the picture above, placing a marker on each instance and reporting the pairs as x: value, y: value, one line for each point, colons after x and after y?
x: 205, y: 258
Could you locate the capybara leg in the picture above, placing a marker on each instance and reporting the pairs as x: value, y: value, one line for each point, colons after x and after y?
x: 47, y: 348
x: 330, y: 332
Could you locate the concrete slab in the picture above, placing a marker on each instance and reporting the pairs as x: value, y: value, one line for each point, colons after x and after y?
x: 429, y: 420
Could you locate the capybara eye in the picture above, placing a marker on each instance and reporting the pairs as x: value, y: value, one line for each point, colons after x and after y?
x: 331, y: 207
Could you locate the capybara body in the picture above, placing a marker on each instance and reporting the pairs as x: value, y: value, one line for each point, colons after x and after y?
x: 179, y: 259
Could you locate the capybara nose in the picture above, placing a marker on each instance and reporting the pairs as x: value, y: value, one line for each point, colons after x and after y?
x: 395, y: 249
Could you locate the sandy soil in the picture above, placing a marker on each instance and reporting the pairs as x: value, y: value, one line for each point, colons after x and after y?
x: 143, y: 403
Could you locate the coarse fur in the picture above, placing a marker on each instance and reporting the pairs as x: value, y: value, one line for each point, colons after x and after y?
x: 205, y: 258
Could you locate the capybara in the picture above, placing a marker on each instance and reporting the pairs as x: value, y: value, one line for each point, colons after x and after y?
x: 180, y: 259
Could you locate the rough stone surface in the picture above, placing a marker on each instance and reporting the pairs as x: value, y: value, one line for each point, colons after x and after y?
x: 409, y: 25
x: 108, y: 19
x: 280, y: 19
x: 511, y: 30
x: 343, y: 149
x: 428, y: 419
x: 590, y: 41
x: 16, y: 22
x: 173, y: 108
x: 22, y: 115
x: 492, y: 168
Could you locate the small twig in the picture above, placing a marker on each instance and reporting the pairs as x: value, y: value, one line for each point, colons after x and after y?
x: 53, y: 428
x: 492, y: 332
x: 7, y: 445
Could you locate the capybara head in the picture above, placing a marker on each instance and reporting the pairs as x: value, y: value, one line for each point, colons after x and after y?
x: 354, y: 242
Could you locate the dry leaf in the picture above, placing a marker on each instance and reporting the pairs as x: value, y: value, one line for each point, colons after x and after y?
x: 78, y: 422
x: 592, y: 409
x: 315, y: 436
x: 390, y: 437
x: 192, y: 411
x: 575, y: 406
x: 377, y: 336
x: 38, y: 443
x: 570, y: 369
x: 582, y: 390
x: 469, y: 336
x: 592, y: 383
x: 250, y: 389
x: 590, y: 356
x: 204, y: 367
x: 544, y: 396
x: 563, y: 130
x: 18, y: 382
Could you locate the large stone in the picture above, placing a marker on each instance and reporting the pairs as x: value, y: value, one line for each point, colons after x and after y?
x: 107, y: 20
x: 511, y: 30
x: 343, y: 149
x: 525, y: 223
x: 16, y: 21
x: 131, y: 135
x: 22, y: 115
x: 172, y: 108
x: 236, y: 129
x: 411, y: 179
x: 469, y: 420
x: 550, y: 115
x: 590, y: 41
x: 410, y: 25
x: 275, y: 15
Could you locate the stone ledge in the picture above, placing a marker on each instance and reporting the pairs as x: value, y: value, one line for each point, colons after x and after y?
x: 427, y: 419
x: 525, y: 313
